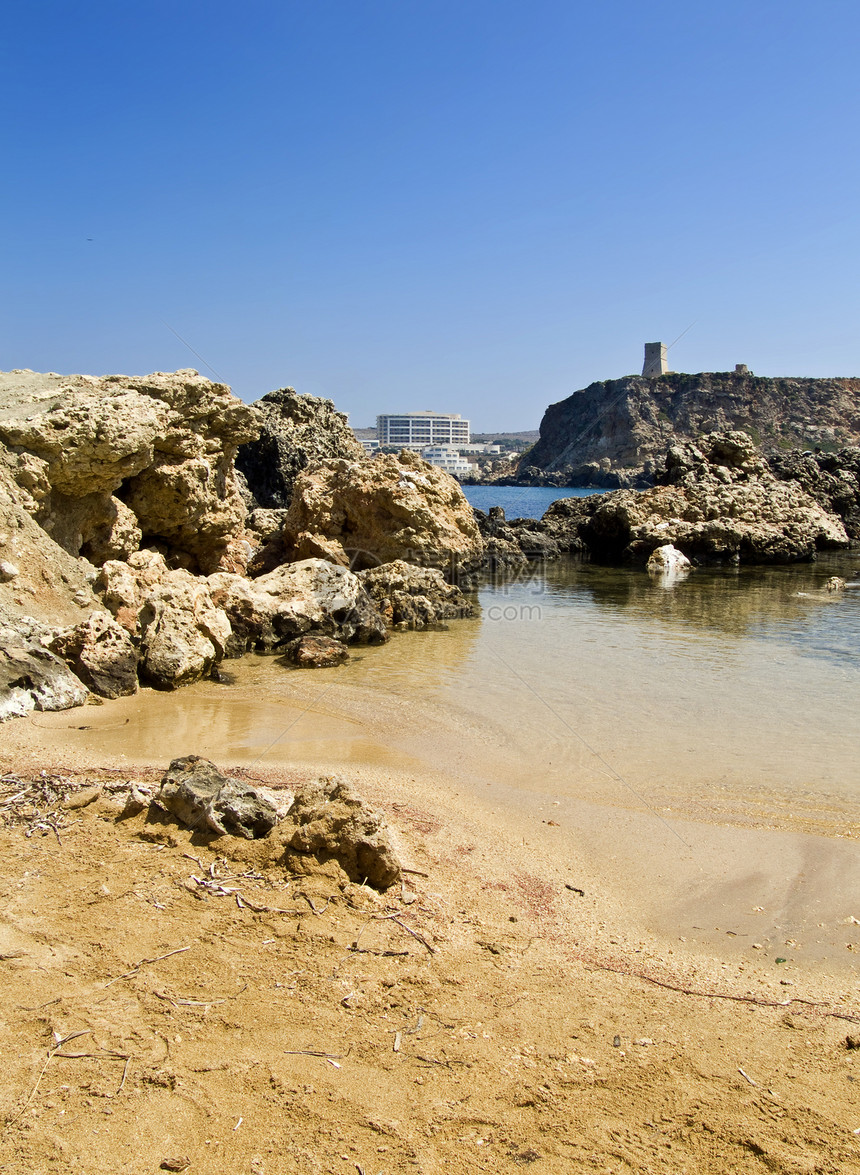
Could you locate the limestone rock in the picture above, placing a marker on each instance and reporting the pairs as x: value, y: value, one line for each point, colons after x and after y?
x: 832, y: 479
x: 298, y: 431
x: 332, y: 822
x: 101, y: 653
x: 411, y: 597
x: 105, y: 463
x: 720, y: 502
x: 668, y: 560
x: 316, y: 652
x: 196, y: 792
x: 376, y: 511
x: 32, y: 678
x: 124, y: 586
x: 183, y: 634
x: 296, y: 599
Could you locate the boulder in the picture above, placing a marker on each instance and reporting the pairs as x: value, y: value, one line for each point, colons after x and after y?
x: 294, y: 600
x: 411, y: 597
x: 316, y: 652
x: 668, y: 560
x: 197, y: 794
x: 101, y: 653
x: 105, y: 463
x: 183, y: 635
x: 333, y: 823
x: 123, y: 586
x: 297, y: 432
x: 33, y: 678
x: 367, y: 512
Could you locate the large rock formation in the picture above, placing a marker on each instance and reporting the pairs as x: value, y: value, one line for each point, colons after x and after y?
x: 107, y: 464
x: 832, y: 479
x: 719, y: 502
x: 298, y: 431
x: 362, y: 513
x: 615, y: 432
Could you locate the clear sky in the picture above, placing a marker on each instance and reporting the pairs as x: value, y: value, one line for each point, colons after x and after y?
x: 475, y: 206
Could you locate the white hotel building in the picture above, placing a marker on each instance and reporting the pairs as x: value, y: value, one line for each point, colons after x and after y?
x: 420, y: 430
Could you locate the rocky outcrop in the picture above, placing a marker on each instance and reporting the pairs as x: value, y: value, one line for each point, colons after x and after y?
x: 668, y: 561
x: 105, y: 464
x: 362, y: 513
x: 298, y: 431
x: 312, y: 596
x: 412, y: 597
x: 333, y: 823
x: 614, y: 433
x: 719, y: 503
x: 832, y: 479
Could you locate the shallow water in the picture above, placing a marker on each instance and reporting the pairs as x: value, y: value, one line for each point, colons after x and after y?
x: 695, y: 745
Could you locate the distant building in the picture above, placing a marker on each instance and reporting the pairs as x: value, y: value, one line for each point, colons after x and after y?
x: 368, y: 444
x: 655, y: 359
x: 419, y: 430
x: 446, y: 457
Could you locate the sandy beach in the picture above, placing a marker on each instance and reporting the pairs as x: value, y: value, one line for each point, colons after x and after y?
x: 505, y: 1008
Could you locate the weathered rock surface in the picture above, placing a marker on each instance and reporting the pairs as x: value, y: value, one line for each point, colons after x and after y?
x: 333, y: 823
x: 33, y: 678
x: 668, y: 560
x: 362, y: 513
x: 720, y: 503
x: 411, y: 597
x: 107, y: 463
x: 101, y: 653
x: 183, y: 635
x: 298, y: 431
x: 196, y: 793
x: 832, y: 479
x: 316, y: 652
x: 312, y: 596
x: 615, y: 432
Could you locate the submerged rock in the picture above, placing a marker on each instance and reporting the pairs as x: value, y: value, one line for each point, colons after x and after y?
x: 316, y: 652
x: 668, y: 560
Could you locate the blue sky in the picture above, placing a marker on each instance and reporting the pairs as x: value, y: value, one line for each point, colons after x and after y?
x: 468, y: 205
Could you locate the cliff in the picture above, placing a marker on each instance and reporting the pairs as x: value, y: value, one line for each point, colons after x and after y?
x: 616, y: 432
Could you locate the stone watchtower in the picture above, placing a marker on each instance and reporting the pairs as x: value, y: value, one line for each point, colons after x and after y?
x: 655, y: 359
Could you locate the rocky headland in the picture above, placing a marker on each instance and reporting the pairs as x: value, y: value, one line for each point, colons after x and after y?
x: 615, y: 433
x: 719, y: 501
